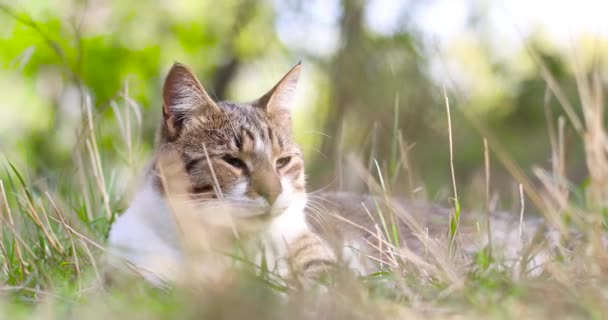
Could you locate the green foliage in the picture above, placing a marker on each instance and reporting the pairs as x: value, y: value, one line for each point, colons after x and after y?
x: 81, y: 101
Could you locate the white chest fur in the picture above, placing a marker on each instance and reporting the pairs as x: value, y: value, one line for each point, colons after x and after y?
x: 147, y: 236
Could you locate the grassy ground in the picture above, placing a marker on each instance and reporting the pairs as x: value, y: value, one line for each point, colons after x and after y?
x: 53, y: 237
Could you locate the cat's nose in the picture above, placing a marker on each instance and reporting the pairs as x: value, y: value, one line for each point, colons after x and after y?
x: 271, y: 194
x: 267, y: 184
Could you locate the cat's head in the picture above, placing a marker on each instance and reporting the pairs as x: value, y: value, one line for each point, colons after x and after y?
x: 240, y: 154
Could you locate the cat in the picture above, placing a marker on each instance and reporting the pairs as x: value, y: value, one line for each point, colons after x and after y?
x: 221, y: 171
x: 225, y: 173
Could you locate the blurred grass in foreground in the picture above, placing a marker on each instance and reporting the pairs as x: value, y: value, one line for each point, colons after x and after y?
x: 54, y: 229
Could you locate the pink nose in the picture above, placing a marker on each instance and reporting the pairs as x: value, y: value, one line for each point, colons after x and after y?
x: 270, y: 195
x: 266, y: 183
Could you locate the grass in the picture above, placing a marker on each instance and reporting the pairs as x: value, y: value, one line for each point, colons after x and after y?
x: 52, y: 245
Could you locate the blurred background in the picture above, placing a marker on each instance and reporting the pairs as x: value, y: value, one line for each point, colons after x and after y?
x: 372, y: 87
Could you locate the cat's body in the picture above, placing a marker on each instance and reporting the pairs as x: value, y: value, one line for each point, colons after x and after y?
x: 360, y: 228
x: 226, y: 173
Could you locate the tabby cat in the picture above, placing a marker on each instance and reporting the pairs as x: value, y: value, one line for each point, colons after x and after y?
x: 221, y: 171
x: 226, y: 173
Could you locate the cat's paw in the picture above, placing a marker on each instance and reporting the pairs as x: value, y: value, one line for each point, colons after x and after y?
x: 311, y: 260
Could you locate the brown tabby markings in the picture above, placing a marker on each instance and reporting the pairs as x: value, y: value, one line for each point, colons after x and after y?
x: 309, y: 254
x: 224, y: 145
x: 248, y: 134
x: 250, y: 151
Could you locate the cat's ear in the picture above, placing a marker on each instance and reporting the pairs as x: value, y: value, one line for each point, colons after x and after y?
x: 182, y: 95
x: 280, y: 99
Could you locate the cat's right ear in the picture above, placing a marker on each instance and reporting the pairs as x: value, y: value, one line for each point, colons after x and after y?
x: 182, y: 95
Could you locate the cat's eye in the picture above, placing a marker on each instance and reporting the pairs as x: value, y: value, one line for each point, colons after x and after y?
x: 235, y: 162
x: 282, y: 162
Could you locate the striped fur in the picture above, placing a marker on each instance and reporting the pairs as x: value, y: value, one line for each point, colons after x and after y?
x: 230, y: 157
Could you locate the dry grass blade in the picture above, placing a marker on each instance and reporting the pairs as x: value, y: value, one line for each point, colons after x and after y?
x: 71, y: 232
x: 95, y: 158
x: 455, y: 218
x: 81, y: 236
x: 451, y: 143
x: 46, y: 230
x: 447, y: 270
x: 486, y: 157
x: 594, y: 137
x: 507, y: 161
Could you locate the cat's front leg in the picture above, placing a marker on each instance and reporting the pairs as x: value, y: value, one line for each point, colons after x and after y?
x: 309, y: 257
x: 295, y: 251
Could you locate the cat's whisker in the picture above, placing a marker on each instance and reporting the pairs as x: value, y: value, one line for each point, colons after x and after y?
x: 312, y: 197
x: 317, y: 205
x: 318, y: 151
x: 317, y: 216
x: 315, y: 210
x: 317, y: 132
x: 322, y: 189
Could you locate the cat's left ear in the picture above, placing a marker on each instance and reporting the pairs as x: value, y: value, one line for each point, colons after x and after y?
x: 280, y: 99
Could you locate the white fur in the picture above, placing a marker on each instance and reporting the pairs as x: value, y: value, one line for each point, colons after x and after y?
x: 289, y: 224
x: 259, y: 145
x: 251, y: 207
x: 238, y: 190
x: 146, y: 234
